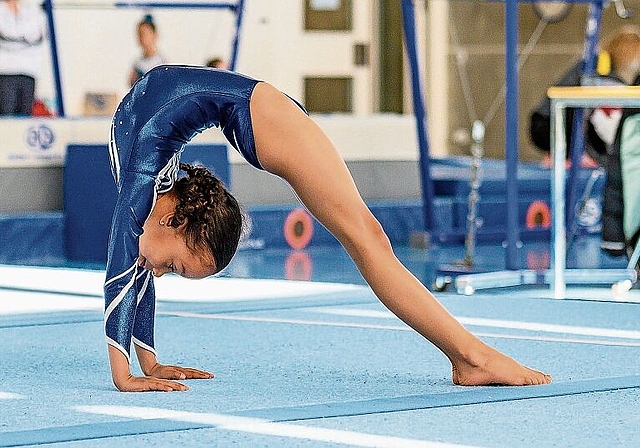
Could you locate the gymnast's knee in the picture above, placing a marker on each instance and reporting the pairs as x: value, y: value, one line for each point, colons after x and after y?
x: 368, y: 235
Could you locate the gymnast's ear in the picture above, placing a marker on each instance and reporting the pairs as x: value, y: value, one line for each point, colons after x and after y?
x: 169, y: 219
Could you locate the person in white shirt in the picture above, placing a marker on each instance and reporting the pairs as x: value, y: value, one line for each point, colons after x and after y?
x: 22, y: 33
x: 150, y: 57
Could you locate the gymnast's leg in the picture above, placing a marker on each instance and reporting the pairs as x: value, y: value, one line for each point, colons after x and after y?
x: 289, y: 144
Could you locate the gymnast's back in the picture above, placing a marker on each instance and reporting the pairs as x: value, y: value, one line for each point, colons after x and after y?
x: 171, y: 104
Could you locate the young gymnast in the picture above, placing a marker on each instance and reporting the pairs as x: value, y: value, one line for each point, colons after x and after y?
x: 191, y: 225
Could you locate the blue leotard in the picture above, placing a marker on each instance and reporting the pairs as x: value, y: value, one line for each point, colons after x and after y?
x: 162, y: 112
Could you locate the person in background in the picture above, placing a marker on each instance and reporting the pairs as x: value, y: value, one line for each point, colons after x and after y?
x: 151, y: 56
x: 218, y: 62
x: 22, y: 33
x: 618, y: 63
x: 609, y: 122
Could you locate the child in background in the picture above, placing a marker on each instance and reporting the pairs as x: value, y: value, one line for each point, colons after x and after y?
x: 151, y: 57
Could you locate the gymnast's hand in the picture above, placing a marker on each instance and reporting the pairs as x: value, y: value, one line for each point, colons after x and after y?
x: 158, y: 377
x: 146, y: 383
x: 176, y: 372
x: 151, y: 367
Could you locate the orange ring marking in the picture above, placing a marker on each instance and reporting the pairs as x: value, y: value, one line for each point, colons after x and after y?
x: 538, y: 215
x: 298, y: 228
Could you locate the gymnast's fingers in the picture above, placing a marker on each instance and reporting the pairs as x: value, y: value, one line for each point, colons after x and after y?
x: 196, y: 373
x: 180, y: 373
x: 149, y: 383
x: 166, y: 386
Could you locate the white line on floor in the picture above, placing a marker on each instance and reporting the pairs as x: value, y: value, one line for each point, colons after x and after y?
x: 234, y: 317
x: 496, y: 323
x: 264, y: 427
x: 278, y: 320
x: 10, y: 396
x: 22, y: 302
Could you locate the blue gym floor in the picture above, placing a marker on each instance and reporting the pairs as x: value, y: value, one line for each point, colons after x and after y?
x: 318, y: 362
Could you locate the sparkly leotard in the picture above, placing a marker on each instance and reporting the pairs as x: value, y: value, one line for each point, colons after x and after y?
x: 162, y: 112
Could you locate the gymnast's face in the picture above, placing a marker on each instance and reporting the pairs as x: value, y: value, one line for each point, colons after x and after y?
x: 163, y: 249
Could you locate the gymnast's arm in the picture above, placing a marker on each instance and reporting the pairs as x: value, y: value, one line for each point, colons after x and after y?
x: 157, y: 376
x: 144, y: 343
x: 126, y: 282
x: 130, y: 297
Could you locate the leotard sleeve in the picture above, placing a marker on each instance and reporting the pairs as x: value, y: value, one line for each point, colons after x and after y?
x: 129, y: 292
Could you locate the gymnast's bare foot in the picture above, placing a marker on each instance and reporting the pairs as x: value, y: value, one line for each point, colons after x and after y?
x: 488, y: 366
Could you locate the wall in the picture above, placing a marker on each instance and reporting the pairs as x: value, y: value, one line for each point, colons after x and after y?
x: 380, y: 150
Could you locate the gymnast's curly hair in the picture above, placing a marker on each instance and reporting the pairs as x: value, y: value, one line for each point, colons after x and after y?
x: 214, y: 218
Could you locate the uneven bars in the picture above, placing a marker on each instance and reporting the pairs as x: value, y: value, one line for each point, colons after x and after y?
x: 48, y: 7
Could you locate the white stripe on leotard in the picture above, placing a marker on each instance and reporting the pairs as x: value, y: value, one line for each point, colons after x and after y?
x: 113, y: 155
x: 144, y: 286
x: 168, y: 175
x: 118, y: 299
x: 120, y: 348
x: 139, y: 343
x: 113, y: 279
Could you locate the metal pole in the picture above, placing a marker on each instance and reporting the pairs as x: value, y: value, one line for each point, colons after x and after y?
x: 512, y: 260
x: 53, y: 43
x: 408, y: 17
x: 558, y: 228
x: 589, y: 59
x: 239, y: 10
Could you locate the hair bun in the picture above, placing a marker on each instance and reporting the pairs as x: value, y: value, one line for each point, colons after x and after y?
x: 213, y: 216
x: 204, y: 190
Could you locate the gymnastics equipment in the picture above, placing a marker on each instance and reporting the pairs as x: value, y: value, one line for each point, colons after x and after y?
x: 511, y: 32
x: 467, y: 265
x: 49, y: 6
x: 562, y: 98
x: 513, y: 276
x: 477, y: 152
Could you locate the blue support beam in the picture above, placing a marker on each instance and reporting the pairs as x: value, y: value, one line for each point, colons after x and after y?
x: 577, y: 144
x: 512, y: 257
x: 53, y: 43
x: 408, y: 17
x: 239, y: 12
